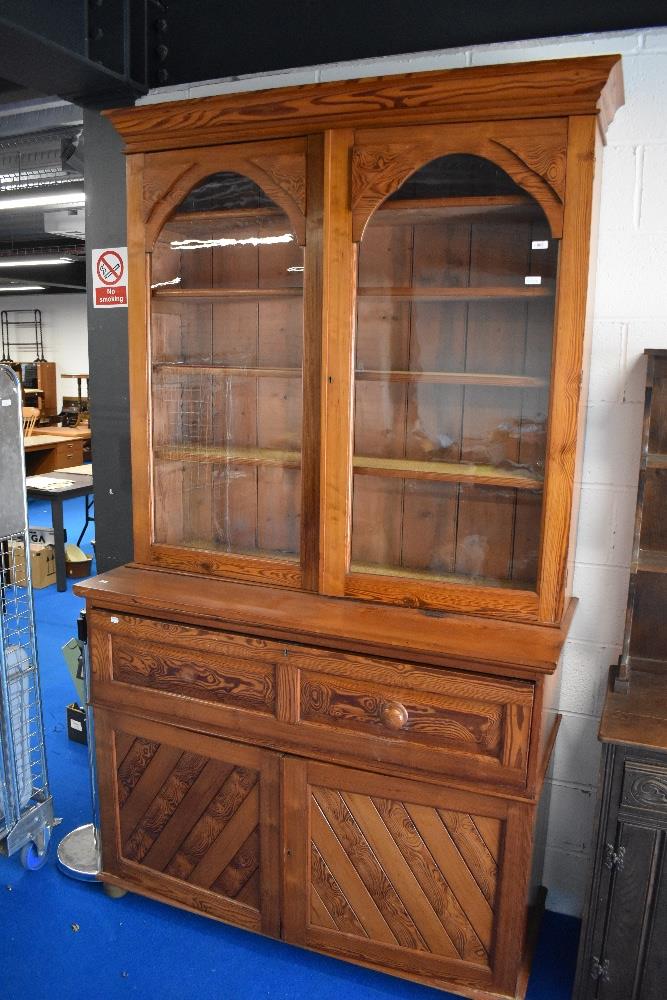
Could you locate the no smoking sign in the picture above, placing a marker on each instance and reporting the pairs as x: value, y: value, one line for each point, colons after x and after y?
x: 110, y: 277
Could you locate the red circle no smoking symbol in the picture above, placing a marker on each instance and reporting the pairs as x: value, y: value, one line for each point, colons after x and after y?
x: 110, y: 267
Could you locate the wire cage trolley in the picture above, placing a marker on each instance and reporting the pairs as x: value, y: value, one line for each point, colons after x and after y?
x: 26, y: 809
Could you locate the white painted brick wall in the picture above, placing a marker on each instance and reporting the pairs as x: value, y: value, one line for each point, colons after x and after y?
x: 630, y: 314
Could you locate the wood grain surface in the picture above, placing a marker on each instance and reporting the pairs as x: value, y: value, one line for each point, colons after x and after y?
x: 395, y: 875
x: 320, y: 693
x: 190, y: 822
x: 521, y: 90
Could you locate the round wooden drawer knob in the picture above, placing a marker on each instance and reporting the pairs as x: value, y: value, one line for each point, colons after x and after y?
x: 394, y: 715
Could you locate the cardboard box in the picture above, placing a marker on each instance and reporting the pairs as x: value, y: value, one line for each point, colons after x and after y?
x: 16, y: 563
x: 42, y: 565
x: 45, y: 536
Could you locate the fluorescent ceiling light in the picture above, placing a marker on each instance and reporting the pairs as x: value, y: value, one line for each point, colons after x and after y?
x: 35, y: 261
x: 253, y: 241
x: 33, y: 199
x: 21, y: 288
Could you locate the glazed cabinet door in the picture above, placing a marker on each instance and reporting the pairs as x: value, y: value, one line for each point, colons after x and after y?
x: 405, y: 875
x: 459, y: 480
x: 190, y: 819
x: 218, y: 452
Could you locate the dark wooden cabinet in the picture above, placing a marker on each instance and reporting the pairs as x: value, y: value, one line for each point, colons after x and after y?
x: 622, y: 953
x: 358, y: 332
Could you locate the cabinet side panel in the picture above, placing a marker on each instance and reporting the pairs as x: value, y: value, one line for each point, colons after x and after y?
x: 138, y: 279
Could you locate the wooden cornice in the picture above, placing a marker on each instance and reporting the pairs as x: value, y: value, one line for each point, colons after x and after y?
x: 552, y: 88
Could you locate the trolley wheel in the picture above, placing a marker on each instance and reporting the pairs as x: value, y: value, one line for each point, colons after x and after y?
x: 113, y: 891
x: 31, y: 859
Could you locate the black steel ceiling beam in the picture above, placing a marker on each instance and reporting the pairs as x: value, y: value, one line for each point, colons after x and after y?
x: 104, y: 64
x: 213, y: 38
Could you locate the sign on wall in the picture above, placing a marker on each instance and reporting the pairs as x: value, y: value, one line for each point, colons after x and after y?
x: 110, y: 277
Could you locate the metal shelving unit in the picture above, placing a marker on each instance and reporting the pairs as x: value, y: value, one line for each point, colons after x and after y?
x: 12, y: 322
x: 26, y: 809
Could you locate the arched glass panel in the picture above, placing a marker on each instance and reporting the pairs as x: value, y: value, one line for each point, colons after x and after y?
x: 227, y: 335
x: 454, y: 334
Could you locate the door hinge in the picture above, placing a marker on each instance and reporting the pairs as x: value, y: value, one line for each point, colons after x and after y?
x: 614, y: 859
x: 600, y: 970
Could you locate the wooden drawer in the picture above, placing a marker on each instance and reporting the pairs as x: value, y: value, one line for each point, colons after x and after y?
x: 194, y: 664
x: 435, y: 720
x: 314, y: 701
x: 68, y: 453
x: 432, y: 720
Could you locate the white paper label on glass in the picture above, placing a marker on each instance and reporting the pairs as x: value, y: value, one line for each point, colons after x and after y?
x: 532, y: 279
x: 539, y: 245
x: 6, y: 402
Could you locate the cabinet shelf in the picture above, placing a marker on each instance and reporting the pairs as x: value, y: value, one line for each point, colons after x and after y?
x: 426, y: 575
x: 459, y: 472
x: 455, y: 472
x: 212, y: 294
x: 656, y: 461
x: 232, y: 456
x: 420, y: 294
x: 452, y: 378
x: 445, y: 378
x: 227, y: 370
x: 226, y: 215
x: 463, y: 294
x: 415, y: 211
x: 205, y: 545
x: 398, y: 210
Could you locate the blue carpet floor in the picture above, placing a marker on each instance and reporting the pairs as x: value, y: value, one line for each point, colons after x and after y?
x: 62, y: 938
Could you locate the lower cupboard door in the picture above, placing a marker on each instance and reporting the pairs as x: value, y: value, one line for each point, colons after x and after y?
x: 401, y: 874
x: 190, y: 819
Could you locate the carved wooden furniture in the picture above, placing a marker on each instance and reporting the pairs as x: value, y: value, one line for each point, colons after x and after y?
x: 622, y: 952
x: 358, y: 316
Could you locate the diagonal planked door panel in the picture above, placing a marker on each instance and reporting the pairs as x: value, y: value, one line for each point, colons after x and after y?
x: 399, y: 873
x: 190, y: 810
